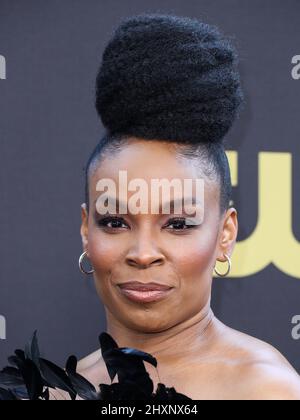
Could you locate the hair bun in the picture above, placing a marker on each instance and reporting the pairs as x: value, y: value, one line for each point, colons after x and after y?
x: 168, y: 77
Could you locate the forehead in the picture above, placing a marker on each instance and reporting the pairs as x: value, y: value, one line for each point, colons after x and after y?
x: 148, y: 160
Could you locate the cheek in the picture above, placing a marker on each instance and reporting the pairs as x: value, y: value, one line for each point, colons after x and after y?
x: 194, y: 259
x: 103, y: 252
x: 194, y: 266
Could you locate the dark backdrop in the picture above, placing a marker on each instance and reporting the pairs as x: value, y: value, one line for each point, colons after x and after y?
x: 48, y: 127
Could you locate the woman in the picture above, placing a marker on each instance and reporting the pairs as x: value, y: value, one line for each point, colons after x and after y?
x: 168, y: 91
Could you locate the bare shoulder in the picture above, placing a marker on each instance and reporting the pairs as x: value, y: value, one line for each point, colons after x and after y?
x: 270, y: 381
x: 263, y: 372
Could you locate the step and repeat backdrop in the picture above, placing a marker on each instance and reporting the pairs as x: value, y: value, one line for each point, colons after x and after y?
x: 49, y: 54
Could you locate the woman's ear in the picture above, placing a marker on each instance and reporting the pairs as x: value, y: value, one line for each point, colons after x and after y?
x: 228, y: 234
x: 84, y: 226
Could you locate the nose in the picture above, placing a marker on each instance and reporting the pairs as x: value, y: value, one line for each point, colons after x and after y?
x: 144, y: 252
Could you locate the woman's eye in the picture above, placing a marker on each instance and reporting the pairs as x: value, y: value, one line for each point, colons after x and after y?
x: 112, y: 222
x: 119, y: 223
x: 179, y: 224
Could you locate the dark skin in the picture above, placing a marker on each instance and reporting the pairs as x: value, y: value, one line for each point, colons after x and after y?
x: 196, y: 353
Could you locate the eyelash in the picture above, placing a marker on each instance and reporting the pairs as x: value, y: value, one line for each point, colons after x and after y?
x: 103, y: 222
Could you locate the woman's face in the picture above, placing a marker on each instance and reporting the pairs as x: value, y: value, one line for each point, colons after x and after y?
x: 153, y: 247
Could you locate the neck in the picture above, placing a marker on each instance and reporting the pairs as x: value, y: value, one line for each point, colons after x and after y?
x: 171, y: 344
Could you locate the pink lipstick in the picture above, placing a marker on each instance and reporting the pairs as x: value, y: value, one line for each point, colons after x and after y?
x: 144, y: 292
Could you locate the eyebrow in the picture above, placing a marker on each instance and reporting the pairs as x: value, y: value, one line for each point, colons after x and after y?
x: 172, y: 203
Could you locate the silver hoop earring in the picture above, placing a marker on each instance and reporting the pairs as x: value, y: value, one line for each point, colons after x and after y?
x: 80, y: 262
x: 228, y: 269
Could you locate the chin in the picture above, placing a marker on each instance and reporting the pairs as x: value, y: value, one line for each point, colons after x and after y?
x: 145, y: 323
x: 149, y: 329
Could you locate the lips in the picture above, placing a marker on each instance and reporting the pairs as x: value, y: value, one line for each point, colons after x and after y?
x: 136, y: 285
x: 144, y: 292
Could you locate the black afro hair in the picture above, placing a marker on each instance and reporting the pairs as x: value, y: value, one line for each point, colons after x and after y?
x: 168, y: 77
